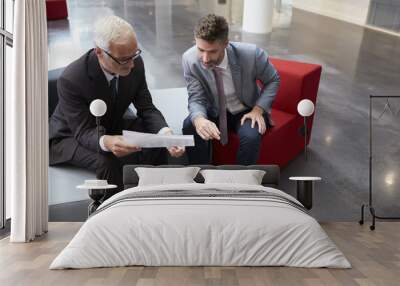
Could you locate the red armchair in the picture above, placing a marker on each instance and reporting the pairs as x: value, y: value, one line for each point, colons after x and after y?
x: 56, y: 9
x: 284, y: 141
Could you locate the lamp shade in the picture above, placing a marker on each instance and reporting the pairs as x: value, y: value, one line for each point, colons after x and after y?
x: 305, y: 107
x: 98, y: 107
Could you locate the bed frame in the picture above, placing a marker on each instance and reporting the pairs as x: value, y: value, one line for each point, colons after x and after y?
x: 270, y: 179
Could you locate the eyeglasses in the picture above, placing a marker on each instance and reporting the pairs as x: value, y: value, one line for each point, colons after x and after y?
x: 124, y: 61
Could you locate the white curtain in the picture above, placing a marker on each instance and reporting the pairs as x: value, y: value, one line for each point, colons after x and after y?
x: 27, y: 123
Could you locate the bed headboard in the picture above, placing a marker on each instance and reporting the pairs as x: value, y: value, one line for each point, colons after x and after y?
x: 270, y: 179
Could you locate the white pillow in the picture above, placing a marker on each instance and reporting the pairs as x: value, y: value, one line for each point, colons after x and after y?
x: 164, y: 176
x: 249, y: 177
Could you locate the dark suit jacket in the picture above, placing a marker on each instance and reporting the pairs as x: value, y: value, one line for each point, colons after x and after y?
x: 82, y: 82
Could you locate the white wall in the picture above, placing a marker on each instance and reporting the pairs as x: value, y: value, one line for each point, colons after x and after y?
x: 353, y: 11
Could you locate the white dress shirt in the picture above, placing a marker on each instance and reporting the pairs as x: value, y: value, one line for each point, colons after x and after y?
x: 233, y: 103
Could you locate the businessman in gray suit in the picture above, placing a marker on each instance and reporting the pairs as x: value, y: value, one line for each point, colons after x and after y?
x: 223, y: 95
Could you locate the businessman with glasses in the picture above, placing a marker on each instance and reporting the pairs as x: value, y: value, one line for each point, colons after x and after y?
x: 114, y: 72
x: 125, y: 60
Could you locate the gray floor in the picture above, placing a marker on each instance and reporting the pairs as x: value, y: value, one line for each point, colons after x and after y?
x: 356, y: 62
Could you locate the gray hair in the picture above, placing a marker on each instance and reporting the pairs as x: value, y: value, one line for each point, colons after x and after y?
x: 111, y: 29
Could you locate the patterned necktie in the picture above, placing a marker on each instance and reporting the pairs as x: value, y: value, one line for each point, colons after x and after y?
x: 114, y: 92
x: 223, y: 126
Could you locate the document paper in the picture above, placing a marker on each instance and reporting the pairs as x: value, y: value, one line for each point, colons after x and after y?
x: 149, y: 140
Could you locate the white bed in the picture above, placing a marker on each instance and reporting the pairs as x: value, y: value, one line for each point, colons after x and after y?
x: 249, y: 225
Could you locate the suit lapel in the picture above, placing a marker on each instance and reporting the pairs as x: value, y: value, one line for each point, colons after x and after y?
x: 235, y: 70
x: 124, y: 97
x: 208, y: 77
x: 100, y: 84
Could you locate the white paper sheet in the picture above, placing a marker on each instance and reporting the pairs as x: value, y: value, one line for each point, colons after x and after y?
x: 149, y: 140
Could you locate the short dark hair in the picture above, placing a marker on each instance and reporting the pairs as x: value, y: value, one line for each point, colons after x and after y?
x: 211, y: 28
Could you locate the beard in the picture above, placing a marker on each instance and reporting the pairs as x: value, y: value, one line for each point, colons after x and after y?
x: 209, y: 65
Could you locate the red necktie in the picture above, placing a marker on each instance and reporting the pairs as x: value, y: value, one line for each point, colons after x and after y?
x: 223, y: 126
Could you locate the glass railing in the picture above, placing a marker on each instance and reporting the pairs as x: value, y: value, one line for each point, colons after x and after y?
x: 384, y: 14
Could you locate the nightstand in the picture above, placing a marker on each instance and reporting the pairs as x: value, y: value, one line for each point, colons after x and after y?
x: 305, y: 186
x: 96, y: 193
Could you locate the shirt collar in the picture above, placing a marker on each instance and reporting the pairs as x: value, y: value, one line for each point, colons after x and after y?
x: 224, y: 63
x: 108, y: 75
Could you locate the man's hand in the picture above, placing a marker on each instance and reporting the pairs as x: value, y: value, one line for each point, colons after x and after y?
x: 175, y: 151
x: 206, y: 129
x: 256, y: 116
x: 118, y: 146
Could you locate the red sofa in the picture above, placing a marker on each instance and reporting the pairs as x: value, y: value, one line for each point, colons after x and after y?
x: 56, y: 9
x: 284, y: 141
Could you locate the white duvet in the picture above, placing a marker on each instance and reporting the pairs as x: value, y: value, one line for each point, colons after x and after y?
x: 185, y: 231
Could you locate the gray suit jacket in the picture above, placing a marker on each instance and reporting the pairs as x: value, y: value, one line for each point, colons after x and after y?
x: 247, y: 63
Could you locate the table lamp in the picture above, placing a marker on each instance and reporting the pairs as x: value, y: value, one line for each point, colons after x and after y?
x: 305, y: 108
x: 96, y: 188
